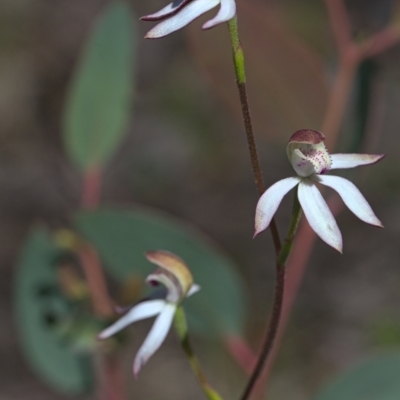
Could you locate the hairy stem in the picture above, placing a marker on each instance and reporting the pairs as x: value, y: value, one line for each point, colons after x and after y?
x: 240, y: 72
x: 278, y: 300
x: 182, y: 330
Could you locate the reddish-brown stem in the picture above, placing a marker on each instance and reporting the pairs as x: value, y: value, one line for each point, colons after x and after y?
x: 340, y: 22
x: 273, y: 325
x: 109, y: 377
x: 338, y: 98
x: 92, y: 180
x: 114, y: 376
x: 95, y: 279
x: 241, y: 352
x: 255, y: 163
x: 380, y: 42
x: 295, y: 271
x: 110, y: 386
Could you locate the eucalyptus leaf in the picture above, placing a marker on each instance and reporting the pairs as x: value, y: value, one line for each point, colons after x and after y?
x: 99, y: 101
x: 375, y: 379
x: 38, y: 306
x: 122, y: 237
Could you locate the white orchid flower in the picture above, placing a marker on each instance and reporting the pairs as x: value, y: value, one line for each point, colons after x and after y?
x: 178, y: 281
x: 180, y: 13
x: 310, y: 159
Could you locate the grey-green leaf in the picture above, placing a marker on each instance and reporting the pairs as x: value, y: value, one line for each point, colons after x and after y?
x: 122, y: 237
x: 375, y: 379
x: 36, y: 299
x: 99, y: 101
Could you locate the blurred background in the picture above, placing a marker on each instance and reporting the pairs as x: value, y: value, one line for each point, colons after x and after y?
x: 184, y: 153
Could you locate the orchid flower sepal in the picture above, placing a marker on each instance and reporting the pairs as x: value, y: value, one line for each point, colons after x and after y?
x: 177, y: 279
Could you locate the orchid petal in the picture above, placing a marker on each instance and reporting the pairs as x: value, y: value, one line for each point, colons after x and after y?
x: 352, y: 197
x: 155, y: 337
x: 182, y: 18
x: 270, y: 200
x: 167, y: 11
x: 141, y: 311
x: 318, y: 214
x: 226, y: 12
x: 344, y: 161
x: 193, y: 289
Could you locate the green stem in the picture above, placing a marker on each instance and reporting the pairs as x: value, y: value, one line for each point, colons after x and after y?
x: 278, y: 300
x: 240, y: 72
x: 182, y: 330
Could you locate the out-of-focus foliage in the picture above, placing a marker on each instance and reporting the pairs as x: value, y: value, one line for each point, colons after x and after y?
x: 122, y: 238
x: 376, y: 379
x: 41, y: 312
x: 99, y: 101
x: 286, y: 79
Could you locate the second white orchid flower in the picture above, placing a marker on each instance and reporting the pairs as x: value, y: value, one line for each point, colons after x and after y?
x: 180, y: 13
x: 310, y: 159
x: 177, y: 279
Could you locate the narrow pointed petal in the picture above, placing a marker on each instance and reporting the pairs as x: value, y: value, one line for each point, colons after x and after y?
x: 155, y: 337
x: 352, y: 197
x: 270, y: 200
x: 193, y: 289
x: 344, y: 161
x: 143, y: 310
x: 182, y: 18
x: 319, y: 215
x: 226, y: 12
x: 167, y: 11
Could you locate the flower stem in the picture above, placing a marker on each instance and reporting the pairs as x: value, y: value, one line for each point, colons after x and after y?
x: 92, y: 181
x: 240, y: 72
x: 278, y: 299
x: 182, y: 330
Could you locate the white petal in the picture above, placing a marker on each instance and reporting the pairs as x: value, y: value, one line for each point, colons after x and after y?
x: 155, y: 337
x: 182, y: 18
x: 166, y: 11
x: 226, y: 12
x: 270, y: 200
x: 343, y: 161
x: 193, y: 289
x: 352, y: 197
x: 319, y: 215
x: 143, y: 310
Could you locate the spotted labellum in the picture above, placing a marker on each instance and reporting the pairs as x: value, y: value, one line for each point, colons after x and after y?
x: 310, y: 159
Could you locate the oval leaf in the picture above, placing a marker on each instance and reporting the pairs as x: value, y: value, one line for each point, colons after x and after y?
x: 376, y: 379
x: 122, y: 238
x: 98, y: 105
x: 36, y: 298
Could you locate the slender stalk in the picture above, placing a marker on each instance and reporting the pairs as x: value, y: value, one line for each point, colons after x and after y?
x: 110, y: 379
x: 96, y: 282
x: 182, y: 330
x: 92, y: 181
x: 240, y: 72
x: 278, y: 299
